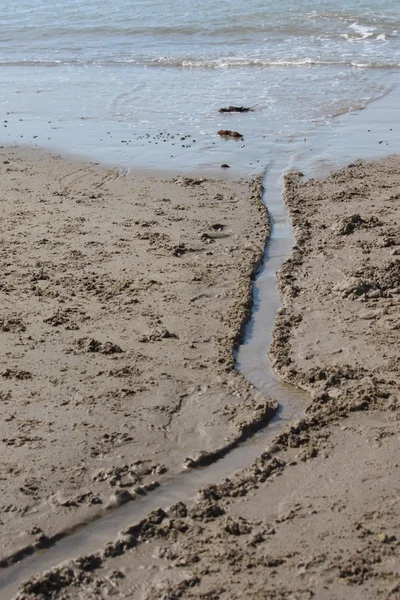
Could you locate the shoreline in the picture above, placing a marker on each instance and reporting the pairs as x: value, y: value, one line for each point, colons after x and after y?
x: 61, y: 190
x: 166, y: 140
x: 303, y: 521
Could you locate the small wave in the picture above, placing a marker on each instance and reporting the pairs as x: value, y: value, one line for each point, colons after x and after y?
x: 43, y: 63
x: 362, y: 104
x: 314, y: 26
x: 124, y: 31
x: 190, y: 63
x: 233, y: 62
x: 379, y: 38
x: 362, y: 30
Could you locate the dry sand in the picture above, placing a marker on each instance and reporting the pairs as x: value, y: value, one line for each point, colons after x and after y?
x: 121, y: 298
x: 317, y: 515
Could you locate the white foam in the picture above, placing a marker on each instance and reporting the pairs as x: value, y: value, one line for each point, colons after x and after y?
x: 363, y: 30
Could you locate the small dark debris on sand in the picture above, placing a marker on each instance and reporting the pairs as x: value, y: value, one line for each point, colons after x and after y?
x: 239, y: 109
x: 229, y: 133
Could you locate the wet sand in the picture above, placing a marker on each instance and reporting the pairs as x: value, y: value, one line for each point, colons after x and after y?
x: 123, y: 295
x: 317, y: 514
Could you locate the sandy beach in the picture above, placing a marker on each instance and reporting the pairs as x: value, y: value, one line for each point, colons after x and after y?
x: 122, y: 297
x: 316, y: 515
x: 118, y: 372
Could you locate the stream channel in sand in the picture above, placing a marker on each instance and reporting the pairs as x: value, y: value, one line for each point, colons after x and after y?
x: 351, y: 136
x: 253, y: 363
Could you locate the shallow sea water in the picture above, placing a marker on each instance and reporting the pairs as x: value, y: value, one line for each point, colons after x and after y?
x: 139, y: 83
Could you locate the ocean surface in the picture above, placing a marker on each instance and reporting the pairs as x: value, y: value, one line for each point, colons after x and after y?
x: 140, y: 82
